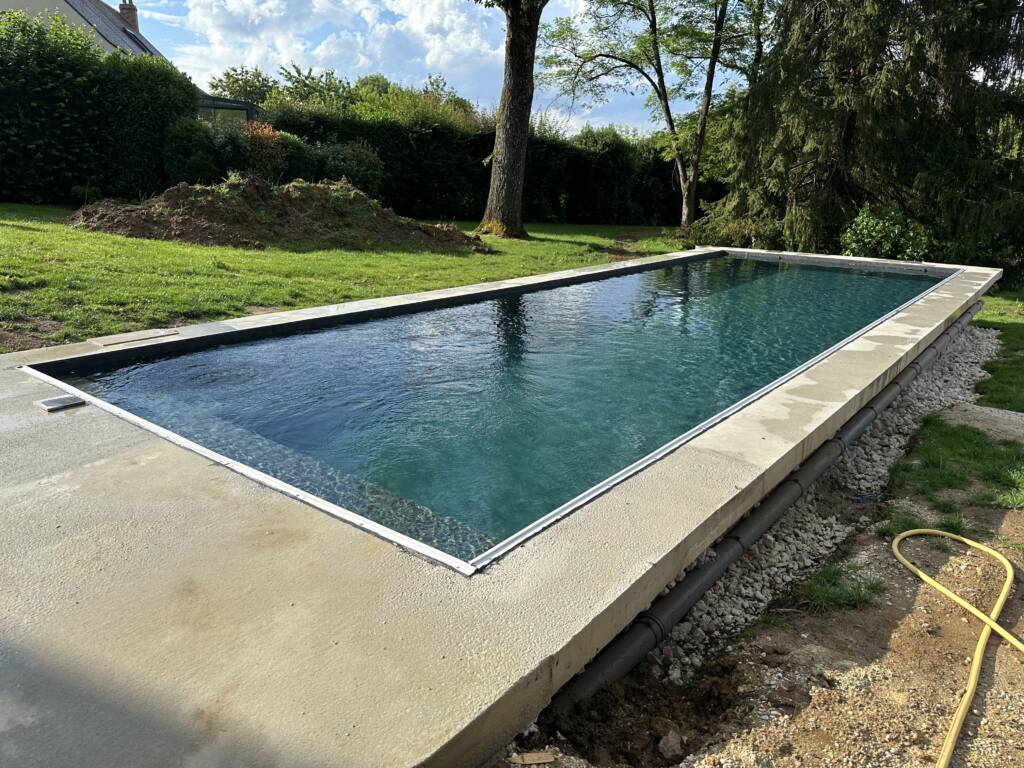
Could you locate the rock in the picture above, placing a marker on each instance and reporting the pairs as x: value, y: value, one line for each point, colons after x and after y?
x: 671, y: 746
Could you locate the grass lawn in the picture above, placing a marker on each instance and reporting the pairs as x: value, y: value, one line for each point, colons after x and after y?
x: 1005, y: 310
x: 58, y: 284
x: 952, y: 465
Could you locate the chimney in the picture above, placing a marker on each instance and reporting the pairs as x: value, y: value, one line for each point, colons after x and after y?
x: 130, y: 14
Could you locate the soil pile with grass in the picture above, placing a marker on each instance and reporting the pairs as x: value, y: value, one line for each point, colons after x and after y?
x: 247, y: 212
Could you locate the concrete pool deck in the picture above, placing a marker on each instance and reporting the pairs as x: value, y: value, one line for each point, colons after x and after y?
x: 159, y: 609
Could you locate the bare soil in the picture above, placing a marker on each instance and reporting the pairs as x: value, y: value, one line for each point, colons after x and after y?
x: 30, y: 333
x: 875, y: 687
x: 247, y: 212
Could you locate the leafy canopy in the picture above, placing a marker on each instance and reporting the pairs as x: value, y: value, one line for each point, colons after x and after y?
x: 910, y: 107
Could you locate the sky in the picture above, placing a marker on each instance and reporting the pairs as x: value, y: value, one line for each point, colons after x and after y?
x: 405, y: 40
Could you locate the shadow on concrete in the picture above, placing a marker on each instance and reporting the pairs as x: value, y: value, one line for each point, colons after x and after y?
x: 53, y: 718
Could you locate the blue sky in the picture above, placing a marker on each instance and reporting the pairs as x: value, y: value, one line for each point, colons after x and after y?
x: 404, y: 39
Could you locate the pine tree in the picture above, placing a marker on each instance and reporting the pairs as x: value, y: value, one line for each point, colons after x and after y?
x: 912, y: 107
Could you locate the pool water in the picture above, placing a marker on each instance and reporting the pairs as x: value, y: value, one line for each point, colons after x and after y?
x: 460, y: 426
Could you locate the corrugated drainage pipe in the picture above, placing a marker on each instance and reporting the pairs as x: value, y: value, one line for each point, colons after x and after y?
x: 653, y: 625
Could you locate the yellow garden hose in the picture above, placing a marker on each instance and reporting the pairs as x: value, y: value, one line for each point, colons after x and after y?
x: 989, y: 620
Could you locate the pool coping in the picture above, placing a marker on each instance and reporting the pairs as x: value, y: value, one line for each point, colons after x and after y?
x: 122, y: 349
x: 150, y: 586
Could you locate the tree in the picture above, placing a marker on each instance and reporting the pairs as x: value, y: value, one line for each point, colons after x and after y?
x: 244, y: 83
x: 438, y: 89
x: 324, y: 89
x: 690, y: 198
x: 503, y: 215
x: 744, y: 45
x: 662, y: 46
x: 904, y: 107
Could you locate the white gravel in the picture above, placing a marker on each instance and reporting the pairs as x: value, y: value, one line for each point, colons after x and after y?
x: 811, y: 530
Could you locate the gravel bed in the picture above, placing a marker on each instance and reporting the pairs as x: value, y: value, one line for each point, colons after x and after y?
x: 811, y: 530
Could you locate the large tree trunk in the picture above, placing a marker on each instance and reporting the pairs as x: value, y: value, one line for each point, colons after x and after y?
x: 755, y: 61
x: 504, y: 213
x: 684, y: 184
x: 702, y: 118
x: 661, y: 89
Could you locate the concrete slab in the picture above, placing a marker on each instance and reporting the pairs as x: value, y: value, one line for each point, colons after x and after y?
x: 159, y: 609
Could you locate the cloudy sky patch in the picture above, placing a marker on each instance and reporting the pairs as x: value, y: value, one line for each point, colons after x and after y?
x: 405, y: 40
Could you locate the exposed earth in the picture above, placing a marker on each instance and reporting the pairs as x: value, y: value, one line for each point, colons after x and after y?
x: 872, y: 687
x: 247, y: 212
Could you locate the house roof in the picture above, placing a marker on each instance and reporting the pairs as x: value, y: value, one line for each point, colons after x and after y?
x: 112, y: 28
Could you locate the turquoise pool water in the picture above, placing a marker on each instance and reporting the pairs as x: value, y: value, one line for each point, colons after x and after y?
x: 461, y: 426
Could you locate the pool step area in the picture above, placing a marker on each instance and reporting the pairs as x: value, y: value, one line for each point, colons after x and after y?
x: 209, y: 427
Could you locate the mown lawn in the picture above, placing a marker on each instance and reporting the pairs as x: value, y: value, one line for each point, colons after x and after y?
x: 951, y: 465
x: 58, y: 284
x: 1005, y: 310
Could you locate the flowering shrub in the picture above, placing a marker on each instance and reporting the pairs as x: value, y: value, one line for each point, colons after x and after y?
x: 267, y: 156
x: 885, y: 235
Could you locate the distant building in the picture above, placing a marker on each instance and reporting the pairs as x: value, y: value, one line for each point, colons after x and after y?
x: 119, y: 30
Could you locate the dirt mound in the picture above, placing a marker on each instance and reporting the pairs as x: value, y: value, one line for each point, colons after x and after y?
x: 247, y: 212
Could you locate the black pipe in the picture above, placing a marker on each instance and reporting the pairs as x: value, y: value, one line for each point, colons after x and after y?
x: 653, y: 625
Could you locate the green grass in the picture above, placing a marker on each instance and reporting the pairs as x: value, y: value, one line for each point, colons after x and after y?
x: 951, y: 466
x: 1005, y: 310
x: 837, y: 586
x: 956, y: 524
x: 1008, y: 542
x: 58, y: 284
x: 899, y: 522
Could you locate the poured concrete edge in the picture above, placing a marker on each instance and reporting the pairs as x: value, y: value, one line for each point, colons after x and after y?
x: 434, y: 668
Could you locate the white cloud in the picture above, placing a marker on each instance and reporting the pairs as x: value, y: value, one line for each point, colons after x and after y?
x: 170, y: 19
x: 403, y: 39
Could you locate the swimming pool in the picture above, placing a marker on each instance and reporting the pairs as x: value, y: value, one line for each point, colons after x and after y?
x: 468, y: 428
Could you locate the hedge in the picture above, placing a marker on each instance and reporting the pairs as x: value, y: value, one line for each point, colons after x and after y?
x: 75, y: 118
x: 79, y: 123
x: 440, y: 171
x: 48, y: 87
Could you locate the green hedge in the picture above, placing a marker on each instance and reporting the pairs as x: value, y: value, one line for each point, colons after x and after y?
x: 438, y: 170
x: 142, y: 97
x: 78, y: 123
x: 75, y: 118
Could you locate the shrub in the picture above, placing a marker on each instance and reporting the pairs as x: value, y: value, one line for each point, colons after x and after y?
x: 49, y: 122
x: 85, y: 193
x: 190, y: 153
x: 315, y: 124
x: 265, y: 152
x: 74, y: 116
x: 885, y: 235
x: 230, y: 146
x: 356, y: 161
x: 300, y: 161
x: 142, y: 96
x: 435, y: 159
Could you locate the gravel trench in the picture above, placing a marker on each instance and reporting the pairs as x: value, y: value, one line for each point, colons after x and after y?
x: 811, y: 530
